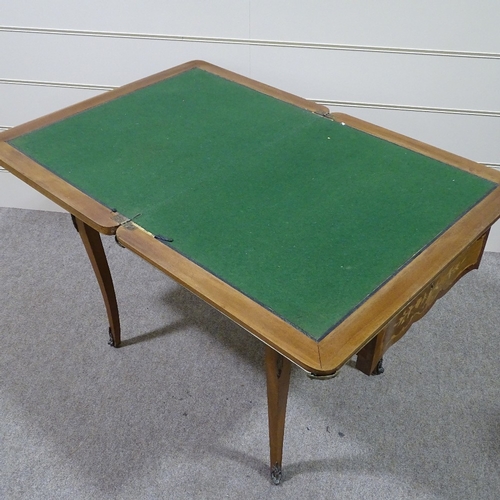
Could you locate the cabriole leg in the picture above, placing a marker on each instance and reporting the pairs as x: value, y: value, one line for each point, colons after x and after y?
x: 278, y: 380
x: 93, y: 245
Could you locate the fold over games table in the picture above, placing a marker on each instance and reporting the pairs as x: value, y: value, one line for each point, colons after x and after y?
x: 324, y: 236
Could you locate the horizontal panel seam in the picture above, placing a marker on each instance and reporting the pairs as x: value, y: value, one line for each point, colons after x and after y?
x: 67, y: 85
x: 326, y: 102
x: 253, y: 41
x: 405, y: 107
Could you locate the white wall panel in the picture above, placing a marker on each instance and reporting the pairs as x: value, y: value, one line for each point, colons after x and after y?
x: 20, y: 103
x: 105, y: 61
x: 450, y: 25
x: 381, y: 77
x: 368, y: 58
x: 228, y: 18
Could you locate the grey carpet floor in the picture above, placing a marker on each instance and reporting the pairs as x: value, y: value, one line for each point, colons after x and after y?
x: 179, y: 412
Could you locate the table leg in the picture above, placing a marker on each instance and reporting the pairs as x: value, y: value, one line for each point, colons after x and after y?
x: 278, y: 380
x: 93, y: 245
x: 369, y: 359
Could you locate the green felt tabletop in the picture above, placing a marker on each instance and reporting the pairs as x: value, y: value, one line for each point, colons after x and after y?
x: 304, y: 215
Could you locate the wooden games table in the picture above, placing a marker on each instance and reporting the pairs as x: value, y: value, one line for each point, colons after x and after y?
x: 324, y: 236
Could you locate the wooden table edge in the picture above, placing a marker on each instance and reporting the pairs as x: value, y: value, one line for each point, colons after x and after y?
x: 250, y: 315
x: 87, y: 104
x: 341, y: 344
x: 264, y: 88
x: 418, y: 147
x: 320, y: 357
x: 59, y: 191
x: 107, y: 96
